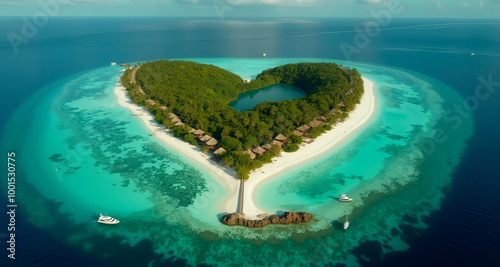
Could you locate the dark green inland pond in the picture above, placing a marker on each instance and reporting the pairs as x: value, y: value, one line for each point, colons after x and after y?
x: 274, y: 92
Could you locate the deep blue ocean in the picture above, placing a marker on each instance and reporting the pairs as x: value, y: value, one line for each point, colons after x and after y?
x: 463, y: 231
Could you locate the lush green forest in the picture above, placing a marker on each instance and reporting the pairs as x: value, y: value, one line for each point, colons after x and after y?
x: 198, y: 94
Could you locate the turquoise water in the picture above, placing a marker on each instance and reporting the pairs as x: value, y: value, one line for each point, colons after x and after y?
x: 89, y: 155
x: 274, y: 92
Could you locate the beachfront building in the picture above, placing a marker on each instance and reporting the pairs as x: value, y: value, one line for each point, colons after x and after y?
x: 259, y: 150
x: 205, y: 138
x: 267, y: 146
x: 151, y: 102
x: 249, y: 152
x: 219, y: 152
x: 281, y: 138
x: 192, y: 131
x: 163, y: 108
x: 303, y: 128
x: 179, y: 123
x: 278, y: 143
x: 315, y: 123
x: 198, y: 133
x: 321, y: 119
x: 211, y: 143
x: 298, y: 133
x: 176, y: 119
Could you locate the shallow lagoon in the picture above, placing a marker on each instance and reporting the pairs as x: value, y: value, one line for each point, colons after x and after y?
x: 108, y: 162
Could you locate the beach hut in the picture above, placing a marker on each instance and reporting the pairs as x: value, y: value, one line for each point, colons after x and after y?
x: 259, y: 150
x: 192, y: 131
x: 278, y: 143
x: 249, y: 152
x: 198, y: 133
x: 151, y: 102
x: 205, y: 138
x: 315, y: 123
x: 163, y: 108
x: 333, y: 112
x: 321, y: 118
x: 179, y: 123
x: 219, y: 151
x: 280, y: 138
x: 211, y: 143
x: 267, y: 146
x: 303, y: 128
x: 175, y: 119
x: 298, y: 133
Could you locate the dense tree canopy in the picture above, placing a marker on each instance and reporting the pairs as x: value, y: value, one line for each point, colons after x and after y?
x: 198, y: 94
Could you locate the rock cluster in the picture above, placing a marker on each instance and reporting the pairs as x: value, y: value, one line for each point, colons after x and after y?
x: 285, y: 218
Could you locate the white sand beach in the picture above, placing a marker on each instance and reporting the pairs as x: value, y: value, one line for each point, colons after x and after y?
x: 326, y: 142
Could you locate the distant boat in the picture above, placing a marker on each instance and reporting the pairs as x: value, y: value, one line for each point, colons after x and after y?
x: 107, y: 219
x: 264, y: 54
x: 344, y: 198
x: 346, y: 224
x: 472, y: 54
x: 113, y: 63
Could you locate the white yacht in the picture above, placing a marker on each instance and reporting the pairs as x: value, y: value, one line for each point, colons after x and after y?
x: 346, y: 224
x: 344, y: 198
x: 107, y: 219
x: 113, y: 63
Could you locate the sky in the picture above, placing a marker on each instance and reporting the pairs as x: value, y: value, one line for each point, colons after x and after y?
x: 468, y: 9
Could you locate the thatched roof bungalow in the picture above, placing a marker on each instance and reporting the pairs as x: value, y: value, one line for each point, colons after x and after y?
x: 198, y: 133
x: 163, y: 108
x: 192, y: 131
x: 298, y: 133
x: 219, y: 151
x: 249, y: 152
x: 211, y: 143
x: 315, y: 123
x: 205, y: 138
x: 333, y: 111
x: 278, y: 143
x: 303, y: 128
x: 141, y: 91
x: 151, y: 102
x: 259, y: 150
x: 321, y: 118
x: 171, y: 115
x: 281, y: 138
x: 175, y: 119
x: 267, y: 146
x: 179, y: 123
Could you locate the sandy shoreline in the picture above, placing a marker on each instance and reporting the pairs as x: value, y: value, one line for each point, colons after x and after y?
x: 324, y: 143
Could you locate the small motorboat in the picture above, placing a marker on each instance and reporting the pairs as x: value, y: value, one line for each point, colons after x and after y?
x: 344, y: 198
x: 107, y: 219
x: 346, y: 224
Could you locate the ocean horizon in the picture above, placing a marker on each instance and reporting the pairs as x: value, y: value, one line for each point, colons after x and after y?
x: 425, y: 164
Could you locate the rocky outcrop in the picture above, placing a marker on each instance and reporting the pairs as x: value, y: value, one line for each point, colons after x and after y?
x: 285, y: 218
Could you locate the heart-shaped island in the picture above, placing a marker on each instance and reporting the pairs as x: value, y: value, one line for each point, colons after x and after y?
x: 191, y: 99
